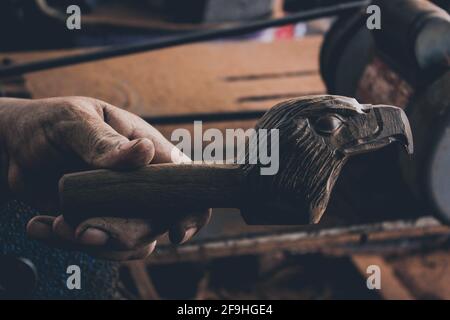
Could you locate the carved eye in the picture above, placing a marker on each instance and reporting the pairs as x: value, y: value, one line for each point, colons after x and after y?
x: 328, y: 124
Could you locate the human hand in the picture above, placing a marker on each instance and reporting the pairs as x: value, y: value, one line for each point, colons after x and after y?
x: 45, y: 138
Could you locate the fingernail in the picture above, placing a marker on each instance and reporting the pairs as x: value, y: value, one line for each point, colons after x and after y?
x: 93, y: 237
x: 188, y: 234
x: 128, y: 145
x: 141, y: 152
x: 39, y: 230
x: 133, y: 144
x: 48, y: 221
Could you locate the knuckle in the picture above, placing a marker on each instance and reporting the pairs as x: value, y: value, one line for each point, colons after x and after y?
x: 68, y: 110
x: 77, y: 107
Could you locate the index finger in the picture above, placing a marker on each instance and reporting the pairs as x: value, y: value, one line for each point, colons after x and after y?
x: 134, y: 127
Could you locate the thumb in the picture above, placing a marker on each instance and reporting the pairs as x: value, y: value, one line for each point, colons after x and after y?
x: 100, y: 146
x: 122, y: 155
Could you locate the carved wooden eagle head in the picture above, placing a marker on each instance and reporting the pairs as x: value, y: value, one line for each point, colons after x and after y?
x: 317, y: 134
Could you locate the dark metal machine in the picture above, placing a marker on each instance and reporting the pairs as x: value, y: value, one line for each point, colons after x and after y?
x: 405, y: 63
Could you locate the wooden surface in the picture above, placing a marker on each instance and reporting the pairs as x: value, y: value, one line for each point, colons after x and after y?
x: 157, y: 191
x: 425, y: 274
x: 214, y: 77
x: 391, y: 287
x: 142, y: 280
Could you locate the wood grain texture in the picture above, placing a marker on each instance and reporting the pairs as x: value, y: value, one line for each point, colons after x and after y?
x: 142, y: 280
x: 392, y: 287
x: 161, y: 190
x: 425, y: 273
x: 212, y: 77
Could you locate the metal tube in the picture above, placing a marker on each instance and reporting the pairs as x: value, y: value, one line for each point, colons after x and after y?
x: 197, y: 36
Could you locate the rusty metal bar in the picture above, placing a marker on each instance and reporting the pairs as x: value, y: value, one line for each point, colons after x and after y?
x: 383, y: 237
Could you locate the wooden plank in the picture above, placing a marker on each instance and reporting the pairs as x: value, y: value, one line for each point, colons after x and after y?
x: 427, y: 273
x: 142, y: 280
x: 211, y: 77
x: 391, y: 287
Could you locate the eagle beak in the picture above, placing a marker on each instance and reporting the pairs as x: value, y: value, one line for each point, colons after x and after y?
x: 385, y: 125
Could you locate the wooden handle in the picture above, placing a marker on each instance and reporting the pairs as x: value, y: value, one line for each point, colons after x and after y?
x: 154, y: 190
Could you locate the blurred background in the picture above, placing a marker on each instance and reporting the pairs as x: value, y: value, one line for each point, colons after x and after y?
x: 387, y: 210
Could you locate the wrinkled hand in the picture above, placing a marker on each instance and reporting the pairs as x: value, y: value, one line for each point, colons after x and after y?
x: 43, y: 139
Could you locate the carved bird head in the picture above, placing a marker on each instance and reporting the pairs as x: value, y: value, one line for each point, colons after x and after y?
x: 317, y: 134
